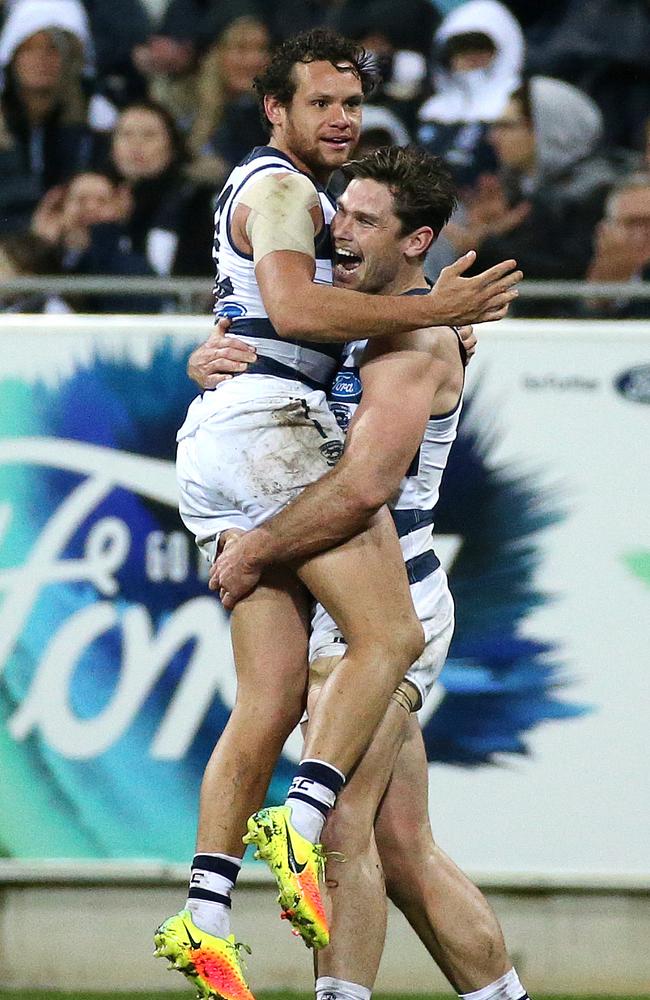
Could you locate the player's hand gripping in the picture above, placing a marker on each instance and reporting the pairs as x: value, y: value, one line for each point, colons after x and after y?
x: 219, y: 357
x: 469, y: 340
x: 234, y: 573
x: 485, y: 296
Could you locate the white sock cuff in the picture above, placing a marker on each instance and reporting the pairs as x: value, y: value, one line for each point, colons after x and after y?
x: 507, y: 987
x: 327, y: 987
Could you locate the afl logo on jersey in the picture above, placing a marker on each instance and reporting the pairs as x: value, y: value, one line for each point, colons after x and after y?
x: 346, y: 386
x: 635, y: 384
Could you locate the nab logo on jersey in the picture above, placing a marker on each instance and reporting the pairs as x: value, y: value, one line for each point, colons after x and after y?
x: 233, y: 310
x: 346, y: 386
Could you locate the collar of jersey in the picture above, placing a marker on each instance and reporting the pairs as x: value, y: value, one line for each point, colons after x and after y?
x: 272, y: 151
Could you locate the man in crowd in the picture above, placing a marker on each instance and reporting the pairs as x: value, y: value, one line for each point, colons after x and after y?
x: 622, y: 248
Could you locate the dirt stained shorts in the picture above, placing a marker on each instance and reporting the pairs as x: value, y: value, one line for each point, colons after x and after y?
x: 247, y: 449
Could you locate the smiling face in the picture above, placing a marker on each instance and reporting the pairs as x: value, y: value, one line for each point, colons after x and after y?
x: 370, y: 252
x: 320, y: 127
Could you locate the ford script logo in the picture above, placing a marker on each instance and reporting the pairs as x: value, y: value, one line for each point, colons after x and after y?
x: 346, y: 386
x: 635, y: 384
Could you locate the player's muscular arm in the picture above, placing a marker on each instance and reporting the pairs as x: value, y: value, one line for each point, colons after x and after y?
x: 277, y: 218
x: 399, y: 383
x: 301, y: 309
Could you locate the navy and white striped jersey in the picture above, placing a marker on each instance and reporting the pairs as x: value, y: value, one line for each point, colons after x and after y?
x: 413, y: 510
x: 237, y: 294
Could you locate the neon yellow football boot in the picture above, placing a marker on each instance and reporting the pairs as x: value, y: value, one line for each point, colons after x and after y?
x: 297, y: 865
x: 210, y: 963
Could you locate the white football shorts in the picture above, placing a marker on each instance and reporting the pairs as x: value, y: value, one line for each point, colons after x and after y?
x: 434, y: 607
x: 246, y: 449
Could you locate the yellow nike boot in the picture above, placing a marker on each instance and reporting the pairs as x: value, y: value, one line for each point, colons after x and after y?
x: 298, y: 866
x: 211, y: 963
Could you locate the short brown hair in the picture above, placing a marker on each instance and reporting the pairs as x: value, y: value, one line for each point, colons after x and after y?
x: 424, y: 193
x: 320, y: 45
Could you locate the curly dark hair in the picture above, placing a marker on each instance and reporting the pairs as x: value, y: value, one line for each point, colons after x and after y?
x: 423, y: 190
x: 320, y: 45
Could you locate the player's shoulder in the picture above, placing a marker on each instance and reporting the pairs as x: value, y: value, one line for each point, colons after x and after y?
x: 284, y: 184
x: 438, y: 341
x: 442, y: 340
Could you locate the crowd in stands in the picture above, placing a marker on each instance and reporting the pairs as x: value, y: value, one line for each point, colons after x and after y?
x: 120, y: 119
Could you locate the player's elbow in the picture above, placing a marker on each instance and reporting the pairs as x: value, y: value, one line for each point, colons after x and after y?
x: 290, y: 320
x: 374, y: 491
x: 285, y: 324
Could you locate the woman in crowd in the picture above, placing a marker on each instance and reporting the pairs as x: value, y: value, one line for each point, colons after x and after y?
x: 49, y: 118
x: 227, y: 122
x: 86, y: 222
x: 170, y: 222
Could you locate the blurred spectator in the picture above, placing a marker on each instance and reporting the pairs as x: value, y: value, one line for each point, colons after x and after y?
x: 227, y: 121
x: 380, y: 127
x: 552, y: 183
x: 400, y: 38
x: 87, y: 222
x: 603, y: 47
x: 118, y: 27
x: 622, y: 247
x: 48, y: 118
x: 479, y: 50
x: 408, y: 26
x: 197, y: 22
x: 187, y: 29
x: 170, y: 223
x: 22, y: 255
x: 66, y: 214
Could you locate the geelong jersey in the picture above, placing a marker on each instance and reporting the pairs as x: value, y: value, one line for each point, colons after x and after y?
x: 237, y: 294
x: 413, y: 510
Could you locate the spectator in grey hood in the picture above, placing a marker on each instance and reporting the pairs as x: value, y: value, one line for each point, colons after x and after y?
x: 544, y: 203
x: 603, y: 47
x: 479, y: 53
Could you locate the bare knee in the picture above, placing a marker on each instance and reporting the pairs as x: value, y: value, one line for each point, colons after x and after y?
x: 411, y: 642
x: 396, y: 646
